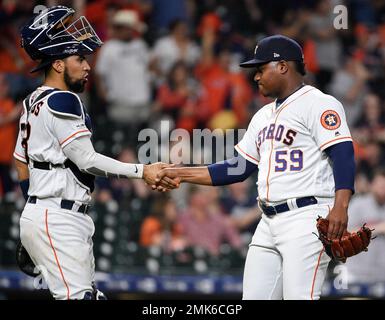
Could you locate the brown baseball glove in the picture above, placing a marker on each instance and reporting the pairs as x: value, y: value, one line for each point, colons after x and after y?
x: 350, y: 244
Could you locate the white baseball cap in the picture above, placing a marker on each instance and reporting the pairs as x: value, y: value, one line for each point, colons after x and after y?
x: 130, y: 19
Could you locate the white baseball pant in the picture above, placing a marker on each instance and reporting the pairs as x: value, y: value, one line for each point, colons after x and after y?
x: 60, y: 244
x: 285, y: 259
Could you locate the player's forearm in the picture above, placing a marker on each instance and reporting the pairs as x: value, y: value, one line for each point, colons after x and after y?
x: 23, y: 177
x: 100, y: 165
x: 342, y: 198
x: 22, y: 170
x: 81, y: 152
x: 342, y: 158
x: 231, y: 171
x: 196, y: 175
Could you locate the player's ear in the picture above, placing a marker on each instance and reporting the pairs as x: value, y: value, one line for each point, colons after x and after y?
x: 58, y: 66
x: 283, y: 66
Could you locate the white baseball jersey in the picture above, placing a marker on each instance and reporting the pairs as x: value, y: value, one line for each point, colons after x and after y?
x: 50, y: 129
x: 287, y: 144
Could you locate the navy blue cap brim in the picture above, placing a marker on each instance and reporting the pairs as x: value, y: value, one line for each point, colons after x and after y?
x: 46, y: 62
x: 253, y: 63
x: 42, y: 65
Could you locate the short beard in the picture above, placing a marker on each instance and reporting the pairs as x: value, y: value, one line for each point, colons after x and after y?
x: 76, y: 86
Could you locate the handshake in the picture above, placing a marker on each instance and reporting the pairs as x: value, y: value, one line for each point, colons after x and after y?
x: 161, y: 176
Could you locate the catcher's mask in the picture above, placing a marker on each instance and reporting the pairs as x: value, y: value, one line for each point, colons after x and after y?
x: 53, y: 34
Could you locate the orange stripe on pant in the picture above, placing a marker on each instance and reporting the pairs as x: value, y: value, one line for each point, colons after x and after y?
x: 54, y: 252
x: 315, y: 273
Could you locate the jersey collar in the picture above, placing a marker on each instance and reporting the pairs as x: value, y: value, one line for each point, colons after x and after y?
x: 44, y: 87
x: 278, y: 103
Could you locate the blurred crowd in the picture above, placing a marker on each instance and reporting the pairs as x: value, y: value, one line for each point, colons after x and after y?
x: 178, y: 61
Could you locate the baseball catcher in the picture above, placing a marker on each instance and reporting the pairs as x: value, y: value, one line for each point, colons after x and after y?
x: 56, y: 161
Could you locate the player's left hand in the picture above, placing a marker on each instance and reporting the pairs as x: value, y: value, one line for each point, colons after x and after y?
x: 338, y: 222
x: 350, y: 244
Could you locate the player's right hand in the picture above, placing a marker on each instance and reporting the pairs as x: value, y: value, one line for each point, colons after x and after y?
x: 167, y: 178
x: 150, y: 173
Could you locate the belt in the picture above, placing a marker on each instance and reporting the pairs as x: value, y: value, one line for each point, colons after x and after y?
x: 65, y: 204
x: 301, y: 202
x: 48, y: 165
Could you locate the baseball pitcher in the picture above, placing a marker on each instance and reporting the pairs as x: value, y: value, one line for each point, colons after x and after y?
x: 302, y: 147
